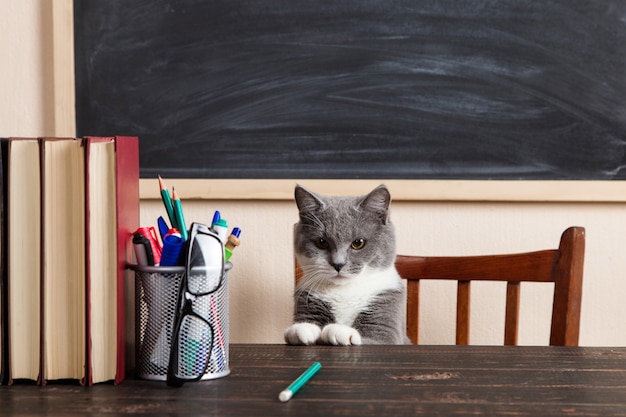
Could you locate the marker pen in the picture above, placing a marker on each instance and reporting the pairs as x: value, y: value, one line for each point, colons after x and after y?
x: 150, y: 235
x: 172, y: 245
x: 143, y: 250
x: 286, y: 394
x: 221, y: 228
x: 163, y: 227
x: 231, y: 243
x: 216, y: 217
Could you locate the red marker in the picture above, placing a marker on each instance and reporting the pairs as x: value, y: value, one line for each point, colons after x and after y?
x: 149, y: 233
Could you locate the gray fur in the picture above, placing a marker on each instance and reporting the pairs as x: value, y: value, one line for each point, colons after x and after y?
x: 337, y: 265
x: 312, y: 310
x: 380, y: 323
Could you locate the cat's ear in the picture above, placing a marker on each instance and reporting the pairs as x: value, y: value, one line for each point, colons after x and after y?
x: 306, y: 200
x: 378, y: 201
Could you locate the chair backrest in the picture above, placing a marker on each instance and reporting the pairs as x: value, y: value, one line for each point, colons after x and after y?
x: 562, y: 266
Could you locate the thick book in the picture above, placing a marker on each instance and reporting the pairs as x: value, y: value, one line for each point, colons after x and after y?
x: 4, y: 347
x: 23, y: 188
x: 112, y: 214
x: 63, y: 259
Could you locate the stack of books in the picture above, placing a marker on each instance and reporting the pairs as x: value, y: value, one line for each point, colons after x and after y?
x: 69, y: 208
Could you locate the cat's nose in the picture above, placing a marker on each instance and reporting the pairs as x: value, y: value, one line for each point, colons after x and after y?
x: 338, y: 265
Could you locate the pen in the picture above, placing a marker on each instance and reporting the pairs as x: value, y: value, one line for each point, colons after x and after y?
x: 172, y: 244
x: 167, y: 201
x: 216, y: 217
x: 143, y: 250
x: 178, y: 215
x: 163, y: 227
x: 287, y: 393
x: 232, y: 243
x: 149, y: 236
x: 221, y: 228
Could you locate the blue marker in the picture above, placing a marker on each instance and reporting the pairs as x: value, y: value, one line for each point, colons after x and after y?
x: 163, y: 227
x: 172, y: 245
x: 216, y: 218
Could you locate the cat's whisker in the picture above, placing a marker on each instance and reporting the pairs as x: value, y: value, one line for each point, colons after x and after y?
x: 313, y: 277
x: 313, y: 281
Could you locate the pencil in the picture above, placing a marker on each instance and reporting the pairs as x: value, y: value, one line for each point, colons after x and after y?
x: 287, y: 393
x: 178, y: 214
x: 167, y: 201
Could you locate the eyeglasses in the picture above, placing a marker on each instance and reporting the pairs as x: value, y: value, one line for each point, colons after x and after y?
x: 193, y: 336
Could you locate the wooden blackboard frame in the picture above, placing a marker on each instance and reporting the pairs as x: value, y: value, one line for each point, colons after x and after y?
x: 63, y: 91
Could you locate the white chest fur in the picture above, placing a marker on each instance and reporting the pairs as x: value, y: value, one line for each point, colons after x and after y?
x: 351, y: 298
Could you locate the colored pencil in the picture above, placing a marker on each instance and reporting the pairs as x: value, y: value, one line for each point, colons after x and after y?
x: 178, y: 215
x: 167, y: 201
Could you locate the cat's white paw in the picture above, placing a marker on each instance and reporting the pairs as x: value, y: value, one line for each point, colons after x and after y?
x: 302, y: 334
x: 338, y: 334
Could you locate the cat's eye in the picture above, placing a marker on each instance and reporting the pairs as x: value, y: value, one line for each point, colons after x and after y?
x: 357, y: 244
x: 321, y: 243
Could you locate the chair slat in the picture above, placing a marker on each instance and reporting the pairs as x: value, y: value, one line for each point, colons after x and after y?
x: 412, y: 313
x: 511, y: 320
x: 463, y: 313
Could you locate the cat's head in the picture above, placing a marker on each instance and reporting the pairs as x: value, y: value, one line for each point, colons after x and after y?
x: 340, y: 237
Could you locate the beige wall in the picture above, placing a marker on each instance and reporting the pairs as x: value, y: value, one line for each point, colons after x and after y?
x: 21, y: 69
x: 430, y: 217
x: 262, y: 278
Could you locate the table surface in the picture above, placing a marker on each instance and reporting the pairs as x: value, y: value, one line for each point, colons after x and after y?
x: 362, y: 381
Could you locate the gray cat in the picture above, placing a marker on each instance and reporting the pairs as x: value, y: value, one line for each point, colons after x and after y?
x: 350, y: 292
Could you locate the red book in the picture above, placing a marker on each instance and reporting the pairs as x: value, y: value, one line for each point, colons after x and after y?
x: 112, y: 215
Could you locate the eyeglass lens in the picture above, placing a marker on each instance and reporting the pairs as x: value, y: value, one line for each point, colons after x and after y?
x: 194, y: 347
x: 205, y: 264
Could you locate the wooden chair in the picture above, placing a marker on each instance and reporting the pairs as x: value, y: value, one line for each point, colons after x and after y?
x: 562, y: 266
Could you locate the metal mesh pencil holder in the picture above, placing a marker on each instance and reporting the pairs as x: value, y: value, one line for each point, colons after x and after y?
x: 156, y: 294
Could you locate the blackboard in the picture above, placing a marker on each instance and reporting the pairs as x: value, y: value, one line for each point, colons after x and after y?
x: 445, y: 89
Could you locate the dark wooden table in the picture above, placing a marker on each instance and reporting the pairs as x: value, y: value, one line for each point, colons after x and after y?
x: 363, y: 381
